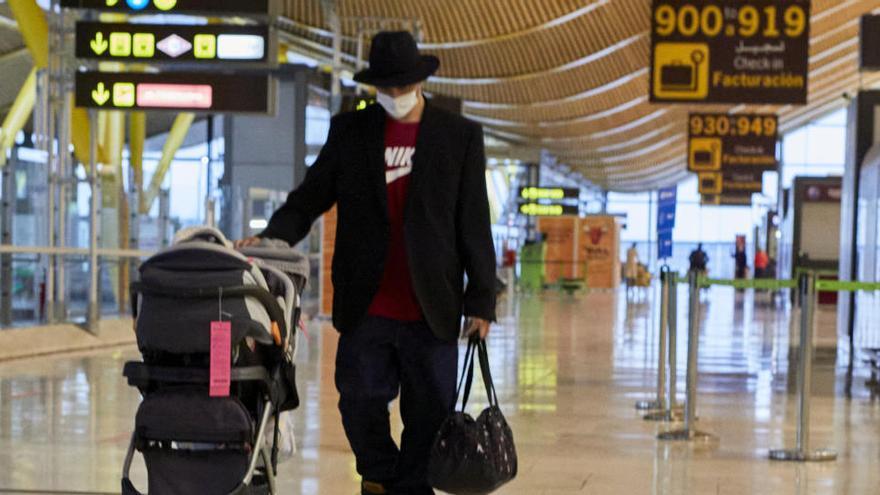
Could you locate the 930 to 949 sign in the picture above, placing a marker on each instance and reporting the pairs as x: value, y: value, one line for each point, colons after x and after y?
x: 721, y: 125
x: 730, y: 51
x: 732, y: 142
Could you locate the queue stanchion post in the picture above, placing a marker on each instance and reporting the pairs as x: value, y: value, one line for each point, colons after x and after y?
x: 802, y: 451
x: 674, y: 411
x: 658, y: 404
x: 666, y: 381
x: 689, y: 431
x: 672, y: 397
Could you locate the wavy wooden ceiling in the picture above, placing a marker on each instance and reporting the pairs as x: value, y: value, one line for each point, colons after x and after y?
x: 571, y: 76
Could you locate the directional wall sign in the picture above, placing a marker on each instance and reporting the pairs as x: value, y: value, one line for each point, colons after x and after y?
x: 732, y: 142
x: 548, y: 193
x: 175, y: 43
x: 539, y: 210
x: 213, y: 7
x: 730, y: 51
x: 209, y: 92
x: 666, y: 208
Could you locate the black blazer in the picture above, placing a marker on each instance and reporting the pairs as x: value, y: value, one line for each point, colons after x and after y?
x: 446, y: 218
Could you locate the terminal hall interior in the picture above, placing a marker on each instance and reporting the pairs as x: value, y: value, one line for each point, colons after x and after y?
x: 653, y: 223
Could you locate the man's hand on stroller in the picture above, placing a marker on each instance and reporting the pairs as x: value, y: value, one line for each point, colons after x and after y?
x: 477, y: 327
x: 247, y: 242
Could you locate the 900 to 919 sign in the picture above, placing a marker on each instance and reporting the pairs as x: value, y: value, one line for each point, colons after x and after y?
x: 730, y: 51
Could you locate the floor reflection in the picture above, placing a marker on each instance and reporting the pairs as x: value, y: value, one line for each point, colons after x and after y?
x: 568, y: 371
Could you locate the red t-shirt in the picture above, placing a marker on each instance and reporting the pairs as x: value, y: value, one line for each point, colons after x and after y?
x: 396, y: 298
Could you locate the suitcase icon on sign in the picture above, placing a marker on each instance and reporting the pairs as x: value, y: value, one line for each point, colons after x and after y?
x: 681, y: 71
x: 703, y: 158
x: 705, y: 154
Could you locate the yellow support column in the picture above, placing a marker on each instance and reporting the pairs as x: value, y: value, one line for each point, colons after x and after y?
x: 35, y: 31
x: 18, y: 115
x: 176, y: 136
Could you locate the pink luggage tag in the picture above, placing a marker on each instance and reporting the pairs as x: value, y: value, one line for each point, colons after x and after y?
x: 221, y: 356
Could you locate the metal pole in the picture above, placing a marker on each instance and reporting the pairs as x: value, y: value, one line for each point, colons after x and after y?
x: 134, y: 223
x: 66, y: 178
x: 689, y: 432
x: 209, y: 189
x: 94, y: 308
x: 802, y: 452
x: 164, y: 217
x: 336, y: 82
x: 672, y: 411
x: 672, y: 400
x: 7, y: 215
x: 659, y: 403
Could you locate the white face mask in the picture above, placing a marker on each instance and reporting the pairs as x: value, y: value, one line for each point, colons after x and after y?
x: 399, y: 107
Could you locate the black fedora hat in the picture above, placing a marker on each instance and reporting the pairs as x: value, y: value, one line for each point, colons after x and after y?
x: 395, y: 61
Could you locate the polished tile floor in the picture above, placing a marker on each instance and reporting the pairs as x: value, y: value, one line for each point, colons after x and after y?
x: 568, y: 370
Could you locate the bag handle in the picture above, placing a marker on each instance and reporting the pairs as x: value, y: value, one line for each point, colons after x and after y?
x: 483, y: 353
x: 477, y: 346
x: 467, y: 375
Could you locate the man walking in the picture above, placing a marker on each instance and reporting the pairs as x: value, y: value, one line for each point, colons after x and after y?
x: 408, y: 180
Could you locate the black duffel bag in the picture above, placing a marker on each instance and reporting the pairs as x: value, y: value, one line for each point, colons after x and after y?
x: 473, y: 457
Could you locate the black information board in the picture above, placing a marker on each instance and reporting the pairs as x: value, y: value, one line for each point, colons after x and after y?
x: 226, y: 44
x: 732, y: 142
x: 207, y: 92
x: 730, y: 51
x: 213, y: 7
x: 869, y: 34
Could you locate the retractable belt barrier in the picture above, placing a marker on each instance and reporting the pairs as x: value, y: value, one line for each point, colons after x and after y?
x: 841, y: 286
x: 808, y: 284
x: 757, y: 284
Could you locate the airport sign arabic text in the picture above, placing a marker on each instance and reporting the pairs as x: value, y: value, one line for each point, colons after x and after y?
x: 730, y: 51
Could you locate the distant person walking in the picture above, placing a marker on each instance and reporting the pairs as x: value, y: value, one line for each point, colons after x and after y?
x: 742, y: 264
x: 699, y: 260
x: 631, y: 269
x: 761, y: 263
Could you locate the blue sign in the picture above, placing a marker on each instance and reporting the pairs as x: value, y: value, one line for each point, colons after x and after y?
x: 667, y: 199
x: 667, y: 196
x: 664, y: 244
x: 665, y: 218
x: 666, y: 203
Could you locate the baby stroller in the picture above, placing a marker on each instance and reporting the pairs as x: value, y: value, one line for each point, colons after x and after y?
x: 193, y: 438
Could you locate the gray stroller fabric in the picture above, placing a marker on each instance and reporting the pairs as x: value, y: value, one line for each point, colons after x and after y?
x: 279, y: 254
x: 203, y: 233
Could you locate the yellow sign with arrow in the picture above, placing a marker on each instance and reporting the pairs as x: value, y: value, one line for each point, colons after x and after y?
x: 101, y: 94
x: 99, y: 44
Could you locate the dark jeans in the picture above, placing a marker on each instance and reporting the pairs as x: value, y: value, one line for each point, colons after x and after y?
x: 374, y: 363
